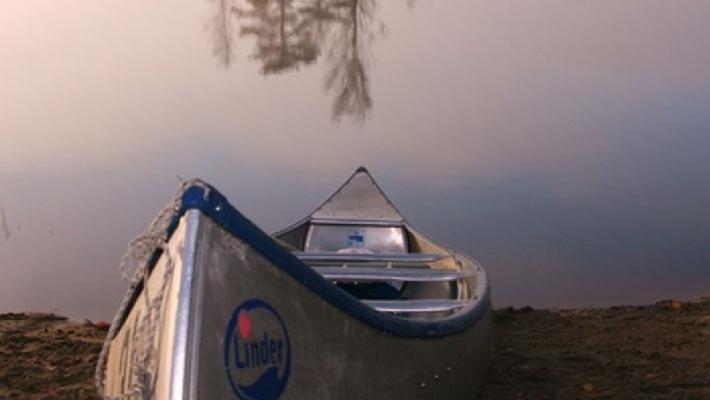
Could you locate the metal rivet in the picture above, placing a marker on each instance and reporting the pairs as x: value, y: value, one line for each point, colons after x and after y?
x: 422, y: 385
x: 436, y: 376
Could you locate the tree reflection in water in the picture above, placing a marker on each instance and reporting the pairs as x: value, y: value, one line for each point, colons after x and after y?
x: 348, y: 74
x: 283, y: 40
x: 291, y: 33
x: 222, y: 31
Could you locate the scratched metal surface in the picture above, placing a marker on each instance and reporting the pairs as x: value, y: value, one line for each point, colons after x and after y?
x: 332, y: 354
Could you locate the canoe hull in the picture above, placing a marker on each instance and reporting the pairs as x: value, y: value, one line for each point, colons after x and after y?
x: 234, y: 325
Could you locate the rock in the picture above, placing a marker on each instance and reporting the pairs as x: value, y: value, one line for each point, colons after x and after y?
x: 102, y: 325
x: 676, y: 305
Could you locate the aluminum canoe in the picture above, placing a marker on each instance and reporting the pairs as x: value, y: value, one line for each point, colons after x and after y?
x: 349, y: 303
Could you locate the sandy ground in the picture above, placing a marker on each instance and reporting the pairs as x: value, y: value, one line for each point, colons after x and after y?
x: 660, y: 351
x: 47, y: 357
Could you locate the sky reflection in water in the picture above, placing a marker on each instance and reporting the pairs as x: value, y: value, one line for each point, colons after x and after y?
x: 565, y: 145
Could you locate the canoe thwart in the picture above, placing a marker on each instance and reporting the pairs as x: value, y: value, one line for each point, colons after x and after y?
x: 370, y: 274
x: 416, y: 306
x: 403, y: 258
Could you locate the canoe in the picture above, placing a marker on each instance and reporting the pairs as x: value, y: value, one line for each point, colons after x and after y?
x: 351, y: 302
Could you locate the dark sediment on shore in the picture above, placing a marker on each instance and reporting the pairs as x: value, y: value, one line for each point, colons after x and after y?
x: 660, y: 351
x: 45, y: 356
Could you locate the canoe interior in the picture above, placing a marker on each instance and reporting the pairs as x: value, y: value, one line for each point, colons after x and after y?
x: 360, y: 231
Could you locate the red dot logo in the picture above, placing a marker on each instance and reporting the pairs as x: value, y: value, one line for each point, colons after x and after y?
x: 244, y: 322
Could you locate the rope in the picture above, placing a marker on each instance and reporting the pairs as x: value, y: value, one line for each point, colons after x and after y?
x: 134, y: 269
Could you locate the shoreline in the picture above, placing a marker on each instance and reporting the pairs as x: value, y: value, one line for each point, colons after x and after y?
x: 656, y: 351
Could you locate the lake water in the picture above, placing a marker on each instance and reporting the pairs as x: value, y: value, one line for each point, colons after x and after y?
x: 563, y: 144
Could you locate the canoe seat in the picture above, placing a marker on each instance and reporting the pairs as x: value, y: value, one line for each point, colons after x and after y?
x: 379, y: 274
x: 416, y: 306
x: 393, y: 258
x: 392, y: 282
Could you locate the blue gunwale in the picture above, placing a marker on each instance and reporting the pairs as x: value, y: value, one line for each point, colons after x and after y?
x: 215, y: 206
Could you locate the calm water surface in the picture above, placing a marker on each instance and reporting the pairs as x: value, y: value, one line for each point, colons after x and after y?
x: 564, y: 144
